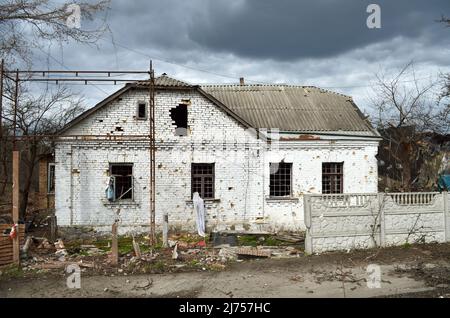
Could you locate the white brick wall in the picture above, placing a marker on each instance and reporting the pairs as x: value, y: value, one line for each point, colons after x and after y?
x: 241, y: 169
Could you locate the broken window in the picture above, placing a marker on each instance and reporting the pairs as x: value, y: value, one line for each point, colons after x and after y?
x: 122, y: 178
x: 203, y: 179
x: 179, y: 117
x: 51, y: 178
x: 332, y: 177
x: 142, y: 110
x: 280, y: 179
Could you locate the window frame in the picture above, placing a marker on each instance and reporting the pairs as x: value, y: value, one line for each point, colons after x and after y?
x: 49, y: 168
x: 139, y: 103
x: 203, y: 176
x: 332, y: 180
x: 289, y: 195
x: 111, y: 164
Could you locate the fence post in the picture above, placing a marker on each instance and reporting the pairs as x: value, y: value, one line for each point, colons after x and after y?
x: 381, y: 202
x: 446, y: 212
x: 307, y: 211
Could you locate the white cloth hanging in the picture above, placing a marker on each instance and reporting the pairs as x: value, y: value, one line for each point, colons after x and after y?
x: 199, y: 206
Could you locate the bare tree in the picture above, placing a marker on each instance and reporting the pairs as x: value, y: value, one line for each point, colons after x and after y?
x: 26, y: 23
x: 38, y: 117
x: 406, y: 108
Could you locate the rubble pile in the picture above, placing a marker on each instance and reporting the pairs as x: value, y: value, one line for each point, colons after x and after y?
x: 184, y: 252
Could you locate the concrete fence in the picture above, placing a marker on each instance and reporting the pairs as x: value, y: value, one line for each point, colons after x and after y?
x: 358, y: 221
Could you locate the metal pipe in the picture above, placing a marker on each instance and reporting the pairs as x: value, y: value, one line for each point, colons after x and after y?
x: 78, y: 72
x: 152, y: 153
x: 49, y: 79
x: 16, y: 96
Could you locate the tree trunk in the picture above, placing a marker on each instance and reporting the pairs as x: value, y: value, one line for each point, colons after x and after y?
x: 406, y: 175
x: 28, y: 180
x: 4, y: 170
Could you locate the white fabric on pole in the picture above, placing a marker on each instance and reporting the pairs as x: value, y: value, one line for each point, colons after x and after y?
x: 199, y: 207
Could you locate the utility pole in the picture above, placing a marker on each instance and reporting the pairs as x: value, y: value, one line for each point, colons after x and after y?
x: 16, y: 180
x: 152, y: 154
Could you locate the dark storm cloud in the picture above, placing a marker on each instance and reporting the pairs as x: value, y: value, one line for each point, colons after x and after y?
x: 290, y: 29
x: 318, y: 42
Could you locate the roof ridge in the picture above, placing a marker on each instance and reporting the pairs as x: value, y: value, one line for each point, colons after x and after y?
x: 275, y: 85
x: 165, y: 80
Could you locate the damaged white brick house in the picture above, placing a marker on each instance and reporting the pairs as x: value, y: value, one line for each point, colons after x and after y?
x: 220, y: 141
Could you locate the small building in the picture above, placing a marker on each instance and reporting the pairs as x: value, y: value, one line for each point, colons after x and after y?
x: 250, y: 151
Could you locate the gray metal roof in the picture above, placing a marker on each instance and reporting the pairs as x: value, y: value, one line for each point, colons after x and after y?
x: 293, y: 108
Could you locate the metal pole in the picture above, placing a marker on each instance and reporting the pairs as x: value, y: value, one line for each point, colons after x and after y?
x: 15, y: 206
x: 152, y: 154
x: 16, y: 96
x: 16, y: 180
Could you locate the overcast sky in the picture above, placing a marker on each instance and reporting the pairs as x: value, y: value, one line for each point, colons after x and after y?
x: 324, y: 43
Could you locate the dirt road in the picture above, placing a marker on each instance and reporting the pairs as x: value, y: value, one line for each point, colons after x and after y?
x: 421, y: 270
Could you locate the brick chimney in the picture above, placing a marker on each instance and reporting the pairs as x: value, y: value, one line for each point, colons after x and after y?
x: 241, y: 81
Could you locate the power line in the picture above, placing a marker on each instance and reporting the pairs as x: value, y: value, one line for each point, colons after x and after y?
x: 249, y: 80
x: 62, y: 64
x: 182, y: 65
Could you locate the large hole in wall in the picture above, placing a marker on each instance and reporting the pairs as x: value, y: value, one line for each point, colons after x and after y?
x: 179, y: 117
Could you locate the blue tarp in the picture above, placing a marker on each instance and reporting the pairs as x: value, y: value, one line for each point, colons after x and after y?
x: 444, y: 182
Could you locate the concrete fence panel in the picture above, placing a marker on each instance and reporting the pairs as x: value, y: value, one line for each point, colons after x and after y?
x: 413, y: 218
x: 349, y: 221
x: 340, y: 221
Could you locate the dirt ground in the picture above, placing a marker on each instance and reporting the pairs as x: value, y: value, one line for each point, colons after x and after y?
x: 409, y: 271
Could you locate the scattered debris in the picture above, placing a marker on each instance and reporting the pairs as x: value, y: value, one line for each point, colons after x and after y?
x: 137, y: 250
x: 45, y: 244
x: 249, y: 251
x: 297, y: 278
x: 227, y: 254
x: 61, y: 254
x: 291, y: 238
x: 175, y: 253
x: 144, y: 285
x: 59, y: 245
x: 26, y: 246
x: 187, y: 252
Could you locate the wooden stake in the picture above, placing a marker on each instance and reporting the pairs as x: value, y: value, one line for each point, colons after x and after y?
x: 15, y: 206
x: 114, y: 245
x: 165, y: 230
x: 137, y: 249
x: 53, y: 228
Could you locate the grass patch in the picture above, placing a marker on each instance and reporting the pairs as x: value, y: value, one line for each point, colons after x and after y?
x: 255, y: 240
x: 125, y: 244
x: 11, y: 271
